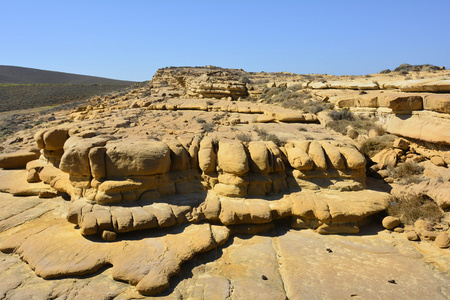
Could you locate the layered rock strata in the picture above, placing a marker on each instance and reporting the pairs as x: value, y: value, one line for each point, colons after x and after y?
x: 123, y: 185
x: 110, y: 171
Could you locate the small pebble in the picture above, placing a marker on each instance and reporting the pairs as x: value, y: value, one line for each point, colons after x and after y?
x: 392, y: 281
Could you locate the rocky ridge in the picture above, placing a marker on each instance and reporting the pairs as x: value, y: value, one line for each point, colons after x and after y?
x: 194, y: 153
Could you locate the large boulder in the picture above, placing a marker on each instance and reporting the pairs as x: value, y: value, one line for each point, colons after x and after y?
x: 51, y: 139
x: 386, y: 158
x: 136, y: 158
x: 232, y: 157
x: 260, y: 160
x: 400, y: 101
x: 424, y: 126
x: 437, y: 102
x: 76, y: 155
x: 207, y: 156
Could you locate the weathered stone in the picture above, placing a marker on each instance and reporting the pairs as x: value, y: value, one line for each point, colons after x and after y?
x: 401, y: 143
x: 137, y: 158
x: 334, y: 156
x: 411, y: 235
x: 298, y: 158
x: 17, y: 160
x: 437, y: 102
x: 232, y: 158
x: 316, y: 153
x: 390, y: 222
x: 109, y: 236
x: 259, y: 158
x: 353, y: 158
x: 207, y: 156
x: 421, y: 126
x: 385, y: 158
x: 442, y: 240
x: 54, y: 139
x: 438, y: 161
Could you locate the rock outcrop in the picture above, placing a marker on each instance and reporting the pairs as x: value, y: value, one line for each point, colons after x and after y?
x: 182, y: 164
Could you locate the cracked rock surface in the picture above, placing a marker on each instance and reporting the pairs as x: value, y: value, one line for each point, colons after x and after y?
x: 281, y: 263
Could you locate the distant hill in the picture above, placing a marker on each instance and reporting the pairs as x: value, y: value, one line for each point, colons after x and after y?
x: 20, y: 75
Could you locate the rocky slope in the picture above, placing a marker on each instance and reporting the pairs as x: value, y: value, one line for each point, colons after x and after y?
x: 200, y: 158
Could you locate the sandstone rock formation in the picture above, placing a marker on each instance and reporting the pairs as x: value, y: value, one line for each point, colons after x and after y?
x: 184, y: 164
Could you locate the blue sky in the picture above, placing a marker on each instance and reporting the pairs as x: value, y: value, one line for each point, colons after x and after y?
x: 131, y: 39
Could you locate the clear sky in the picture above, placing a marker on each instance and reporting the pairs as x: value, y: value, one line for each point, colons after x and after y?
x: 131, y: 39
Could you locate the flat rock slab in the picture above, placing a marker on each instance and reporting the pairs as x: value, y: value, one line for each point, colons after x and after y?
x: 54, y: 249
x: 293, y: 264
x: 283, y: 264
x: 355, y: 266
x: 15, y: 211
x: 18, y: 281
x: 15, y: 182
x: 296, y: 265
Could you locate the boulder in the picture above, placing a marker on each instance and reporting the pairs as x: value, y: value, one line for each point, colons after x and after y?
x: 97, y: 162
x: 75, y: 159
x: 207, y: 156
x: 438, y: 161
x: 421, y: 126
x: 265, y: 119
x: 411, y: 235
x: 231, y: 157
x: 439, y: 86
x: 318, y: 85
x: 417, y: 85
x: 437, y: 102
x: 179, y: 156
x: 442, y: 240
x: 259, y: 158
x: 401, y: 143
x: 426, y: 85
x: 298, y: 158
x: 54, y: 139
x: 386, y: 158
x: 17, y: 160
x: 405, y: 103
x: 109, y: 236
x: 335, y: 158
x: 316, y: 153
x: 136, y: 158
x: 390, y: 222
x: 353, y: 158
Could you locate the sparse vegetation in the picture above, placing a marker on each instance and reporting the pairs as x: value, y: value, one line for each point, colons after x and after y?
x: 200, y: 120
x: 406, y: 173
x: 290, y: 98
x: 218, y: 117
x: 408, y: 68
x: 411, y: 208
x: 244, y: 79
x: 315, y: 107
x: 20, y: 96
x: 265, y: 136
x: 374, y: 145
x: 208, y: 127
x: 343, y: 114
x: 268, y: 93
x: 244, y: 137
x: 344, y: 118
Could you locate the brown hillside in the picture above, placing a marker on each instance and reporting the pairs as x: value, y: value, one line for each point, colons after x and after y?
x: 21, y: 75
